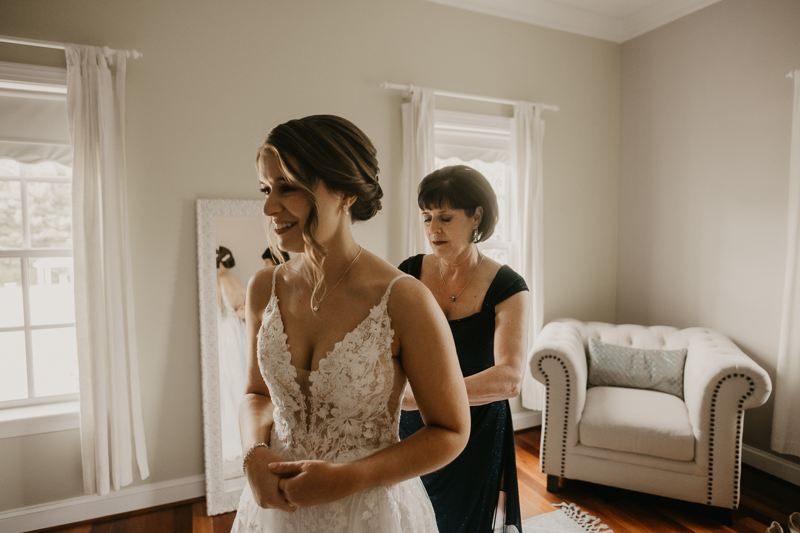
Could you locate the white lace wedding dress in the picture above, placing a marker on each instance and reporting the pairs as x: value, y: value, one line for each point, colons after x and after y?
x: 347, y: 409
x: 232, y: 351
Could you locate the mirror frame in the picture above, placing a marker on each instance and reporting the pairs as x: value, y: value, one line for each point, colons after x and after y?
x: 222, y: 495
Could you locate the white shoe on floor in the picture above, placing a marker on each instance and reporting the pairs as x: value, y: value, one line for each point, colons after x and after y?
x: 775, y: 528
x: 794, y: 523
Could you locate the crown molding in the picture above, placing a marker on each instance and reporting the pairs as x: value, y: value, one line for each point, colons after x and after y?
x: 552, y: 14
x: 660, y: 14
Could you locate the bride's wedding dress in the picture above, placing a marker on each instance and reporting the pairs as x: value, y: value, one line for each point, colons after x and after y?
x: 232, y: 343
x: 347, y: 409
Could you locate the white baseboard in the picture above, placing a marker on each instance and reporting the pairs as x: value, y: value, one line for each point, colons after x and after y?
x: 771, y: 464
x: 89, y: 507
x: 526, y: 419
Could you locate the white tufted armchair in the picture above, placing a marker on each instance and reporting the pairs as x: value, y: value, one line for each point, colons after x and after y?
x: 645, y: 440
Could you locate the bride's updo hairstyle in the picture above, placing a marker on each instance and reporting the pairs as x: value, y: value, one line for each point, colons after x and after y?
x: 331, y: 150
x: 225, y: 258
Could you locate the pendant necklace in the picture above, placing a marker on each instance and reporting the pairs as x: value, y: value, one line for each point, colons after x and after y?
x: 314, y: 306
x: 453, y: 298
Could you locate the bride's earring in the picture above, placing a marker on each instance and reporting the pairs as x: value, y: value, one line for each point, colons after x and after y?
x: 346, y: 209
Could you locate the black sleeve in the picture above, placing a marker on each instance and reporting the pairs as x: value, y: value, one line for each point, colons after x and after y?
x: 412, y: 265
x: 509, y: 284
x: 405, y: 266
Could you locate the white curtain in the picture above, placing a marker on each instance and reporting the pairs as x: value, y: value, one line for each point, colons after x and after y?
x: 785, y: 423
x: 418, y: 162
x: 528, y: 145
x: 112, y: 431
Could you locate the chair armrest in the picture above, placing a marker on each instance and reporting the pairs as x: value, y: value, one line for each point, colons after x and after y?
x: 559, y: 363
x: 565, y: 338
x: 713, y: 362
x: 720, y: 381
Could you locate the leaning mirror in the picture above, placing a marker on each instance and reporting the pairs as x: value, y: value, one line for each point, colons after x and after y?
x: 235, y: 228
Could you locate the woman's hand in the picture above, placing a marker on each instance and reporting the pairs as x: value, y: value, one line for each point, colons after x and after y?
x: 307, y: 483
x: 409, y: 402
x: 504, y: 379
x: 264, y: 483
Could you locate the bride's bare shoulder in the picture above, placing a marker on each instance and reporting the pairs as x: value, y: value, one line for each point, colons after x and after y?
x: 379, y: 272
x: 408, y: 294
x: 259, y: 288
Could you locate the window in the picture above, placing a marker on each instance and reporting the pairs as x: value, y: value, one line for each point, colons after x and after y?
x: 482, y: 142
x: 38, y: 349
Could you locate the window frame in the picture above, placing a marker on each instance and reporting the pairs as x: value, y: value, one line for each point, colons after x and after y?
x: 490, y: 133
x: 47, y: 413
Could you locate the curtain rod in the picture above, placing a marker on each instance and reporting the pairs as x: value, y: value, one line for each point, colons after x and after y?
x: 449, y: 94
x: 60, y: 46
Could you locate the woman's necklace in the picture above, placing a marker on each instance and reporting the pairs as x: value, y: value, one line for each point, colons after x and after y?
x: 453, y: 298
x: 314, y: 306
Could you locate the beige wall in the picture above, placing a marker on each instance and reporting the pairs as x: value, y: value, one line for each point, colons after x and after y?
x: 216, y: 76
x: 706, y: 126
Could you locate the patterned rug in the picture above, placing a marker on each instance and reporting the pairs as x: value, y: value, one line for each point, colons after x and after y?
x: 567, y: 519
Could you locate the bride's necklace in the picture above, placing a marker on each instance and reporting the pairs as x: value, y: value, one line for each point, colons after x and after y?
x: 453, y: 298
x: 315, y: 306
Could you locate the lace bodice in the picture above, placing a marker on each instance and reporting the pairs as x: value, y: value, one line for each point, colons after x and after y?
x: 346, y: 409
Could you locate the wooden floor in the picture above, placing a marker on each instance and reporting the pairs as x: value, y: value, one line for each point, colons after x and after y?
x: 764, y: 499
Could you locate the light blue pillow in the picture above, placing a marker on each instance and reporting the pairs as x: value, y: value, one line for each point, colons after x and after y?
x: 618, y: 366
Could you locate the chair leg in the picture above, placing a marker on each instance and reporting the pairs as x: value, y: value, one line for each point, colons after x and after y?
x: 552, y: 483
x: 721, y: 515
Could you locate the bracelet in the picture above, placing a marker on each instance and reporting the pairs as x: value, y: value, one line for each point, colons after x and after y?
x: 248, y: 452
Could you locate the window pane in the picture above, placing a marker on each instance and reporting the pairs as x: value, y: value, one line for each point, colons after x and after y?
x: 495, y: 173
x: 51, y: 290
x: 48, y: 169
x: 55, y: 361
x: 10, y: 215
x: 14, y: 375
x: 498, y: 254
x: 499, y: 230
x: 11, y: 314
x: 9, y: 167
x: 50, y: 214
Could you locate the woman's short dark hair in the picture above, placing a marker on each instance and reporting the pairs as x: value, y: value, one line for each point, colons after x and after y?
x: 460, y: 187
x: 225, y: 257
x: 268, y: 255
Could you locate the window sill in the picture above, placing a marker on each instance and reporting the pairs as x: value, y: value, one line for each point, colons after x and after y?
x: 30, y: 420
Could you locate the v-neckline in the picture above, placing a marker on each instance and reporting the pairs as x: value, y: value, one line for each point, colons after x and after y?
x: 336, y: 346
x: 274, y: 301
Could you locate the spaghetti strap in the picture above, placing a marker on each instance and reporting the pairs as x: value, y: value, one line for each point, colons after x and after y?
x: 389, y: 288
x: 274, y: 275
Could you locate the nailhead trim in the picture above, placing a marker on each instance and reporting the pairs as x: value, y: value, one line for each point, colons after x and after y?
x: 740, y: 412
x: 547, y: 408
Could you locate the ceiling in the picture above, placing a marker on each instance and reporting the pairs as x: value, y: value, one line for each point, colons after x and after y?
x: 612, y: 20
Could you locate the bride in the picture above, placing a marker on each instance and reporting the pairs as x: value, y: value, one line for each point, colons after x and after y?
x: 333, y: 336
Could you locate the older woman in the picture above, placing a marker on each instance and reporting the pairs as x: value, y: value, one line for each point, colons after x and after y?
x: 487, y: 309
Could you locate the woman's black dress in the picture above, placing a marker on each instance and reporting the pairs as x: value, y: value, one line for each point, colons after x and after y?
x: 465, y: 492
